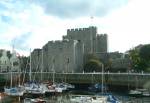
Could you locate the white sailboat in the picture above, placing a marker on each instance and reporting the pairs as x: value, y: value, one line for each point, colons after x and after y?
x: 35, y: 100
x: 136, y: 92
x: 88, y: 99
x: 34, y: 87
x: 95, y: 98
x: 17, y: 90
x: 54, y: 87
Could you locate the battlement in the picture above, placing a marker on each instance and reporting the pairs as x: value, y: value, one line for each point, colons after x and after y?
x: 80, y: 29
x: 37, y: 49
x: 77, y: 29
x: 101, y: 35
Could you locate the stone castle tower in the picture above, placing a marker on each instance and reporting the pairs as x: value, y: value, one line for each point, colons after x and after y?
x: 68, y: 55
x: 101, y: 43
x: 92, y: 41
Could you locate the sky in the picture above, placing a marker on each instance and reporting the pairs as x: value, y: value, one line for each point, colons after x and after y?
x: 27, y: 24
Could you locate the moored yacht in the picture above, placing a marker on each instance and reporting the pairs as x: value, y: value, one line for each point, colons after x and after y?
x: 14, y: 91
x: 35, y: 100
x: 135, y: 93
x: 35, y: 88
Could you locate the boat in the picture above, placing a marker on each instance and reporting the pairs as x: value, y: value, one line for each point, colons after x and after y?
x: 135, y: 93
x: 35, y: 100
x: 102, y: 98
x: 16, y: 90
x: 88, y: 99
x: 94, y: 99
x: 50, y: 88
x: 146, y: 93
x: 112, y: 99
x: 34, y: 87
x: 68, y: 86
x: 97, y: 87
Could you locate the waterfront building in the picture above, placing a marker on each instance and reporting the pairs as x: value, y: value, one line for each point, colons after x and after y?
x: 4, y: 62
x: 15, y: 62
x: 9, y: 62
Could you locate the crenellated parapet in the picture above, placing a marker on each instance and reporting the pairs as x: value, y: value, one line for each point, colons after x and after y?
x: 102, y: 43
x: 81, y: 30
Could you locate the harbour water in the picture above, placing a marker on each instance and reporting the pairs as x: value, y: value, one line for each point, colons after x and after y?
x: 65, y: 97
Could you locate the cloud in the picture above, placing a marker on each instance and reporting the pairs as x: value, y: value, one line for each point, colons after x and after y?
x: 78, y: 8
x: 21, y: 42
x: 32, y: 23
x: 128, y: 26
x: 17, y: 19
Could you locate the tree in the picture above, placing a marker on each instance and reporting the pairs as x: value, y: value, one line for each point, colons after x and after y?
x: 92, y: 63
x: 135, y: 58
x: 145, y: 52
x: 140, y: 58
x: 145, y: 56
x: 9, y: 54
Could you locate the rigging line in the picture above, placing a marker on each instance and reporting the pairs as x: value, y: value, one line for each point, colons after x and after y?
x: 36, y: 69
x: 25, y: 71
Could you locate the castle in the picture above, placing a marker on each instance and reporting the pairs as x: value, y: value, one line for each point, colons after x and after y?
x: 67, y: 55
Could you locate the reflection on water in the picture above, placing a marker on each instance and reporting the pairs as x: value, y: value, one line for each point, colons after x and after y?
x: 64, y: 98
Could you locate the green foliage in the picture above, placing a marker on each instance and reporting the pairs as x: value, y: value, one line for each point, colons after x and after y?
x: 15, y: 63
x: 0, y: 54
x: 92, y: 65
x: 145, y: 52
x: 8, y: 54
x: 90, y: 56
x: 140, y: 58
x: 134, y: 56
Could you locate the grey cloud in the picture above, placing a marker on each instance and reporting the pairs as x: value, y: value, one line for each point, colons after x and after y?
x: 67, y: 8
x: 76, y: 8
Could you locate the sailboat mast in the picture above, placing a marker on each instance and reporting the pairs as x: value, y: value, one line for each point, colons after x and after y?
x: 11, y: 74
x: 102, y: 78
x: 42, y: 66
x: 30, y: 65
x: 53, y: 71
x: 11, y: 67
x: 19, y: 78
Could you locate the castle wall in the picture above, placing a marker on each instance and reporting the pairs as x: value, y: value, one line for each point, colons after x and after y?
x: 36, y: 60
x: 86, y: 35
x: 61, y: 56
x: 101, y: 44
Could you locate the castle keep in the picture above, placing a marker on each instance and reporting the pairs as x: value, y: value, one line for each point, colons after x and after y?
x: 68, y: 55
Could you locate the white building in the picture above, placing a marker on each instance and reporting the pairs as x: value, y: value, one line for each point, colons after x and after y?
x: 8, y: 64
x: 4, y: 62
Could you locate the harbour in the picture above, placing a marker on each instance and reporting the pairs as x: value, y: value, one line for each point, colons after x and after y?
x: 81, y: 87
x: 65, y: 98
x: 78, y: 68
